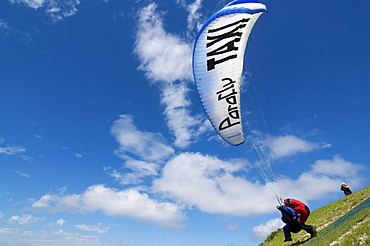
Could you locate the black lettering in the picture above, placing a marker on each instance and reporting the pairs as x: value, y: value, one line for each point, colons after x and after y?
x: 226, y: 123
x: 233, y: 92
x: 234, y: 112
x: 231, y: 100
x: 211, y: 63
x: 230, y: 46
x: 230, y: 34
x: 228, y: 25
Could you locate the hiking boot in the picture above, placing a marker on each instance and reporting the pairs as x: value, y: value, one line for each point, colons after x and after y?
x: 314, y: 232
x: 288, y: 239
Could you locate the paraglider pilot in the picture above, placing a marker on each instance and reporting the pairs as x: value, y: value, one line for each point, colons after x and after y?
x: 346, y: 189
x: 294, y: 215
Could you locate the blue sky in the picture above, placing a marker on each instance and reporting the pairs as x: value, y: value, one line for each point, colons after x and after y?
x: 103, y: 140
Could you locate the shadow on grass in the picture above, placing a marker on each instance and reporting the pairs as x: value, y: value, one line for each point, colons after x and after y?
x: 300, y: 242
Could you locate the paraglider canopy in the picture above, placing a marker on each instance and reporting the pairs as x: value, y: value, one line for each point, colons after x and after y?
x: 218, y: 65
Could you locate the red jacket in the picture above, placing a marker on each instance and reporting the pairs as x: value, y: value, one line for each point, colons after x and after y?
x: 299, y: 207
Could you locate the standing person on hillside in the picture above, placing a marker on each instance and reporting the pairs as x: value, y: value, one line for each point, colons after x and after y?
x: 345, y: 188
x: 295, y: 221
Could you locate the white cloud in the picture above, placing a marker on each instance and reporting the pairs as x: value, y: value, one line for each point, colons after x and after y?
x: 143, y: 152
x: 186, y: 128
x: 337, y: 167
x: 56, y: 9
x: 194, y: 17
x: 323, y: 179
x: 207, y: 183
x: 166, y: 60
x: 140, y: 169
x: 24, y: 219
x: 261, y: 231
x: 113, y: 202
x: 124, y: 178
x: 60, y: 222
x: 144, y: 145
x: 5, y: 231
x: 11, y: 150
x: 43, y: 202
x: 78, y: 155
x: 35, y: 4
x: 285, y: 146
x: 98, y: 228
x: 210, y: 184
x: 21, y: 235
x: 164, y: 57
x: 214, y: 186
x: 22, y: 174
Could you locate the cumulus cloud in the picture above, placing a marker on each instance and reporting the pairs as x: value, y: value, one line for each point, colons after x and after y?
x: 144, y: 145
x: 186, y: 128
x: 164, y: 57
x: 43, y: 202
x: 124, y: 178
x: 143, y: 152
x: 215, y: 186
x: 336, y: 167
x: 212, y: 185
x: 206, y: 183
x: 113, y: 202
x: 61, y: 222
x: 166, y: 60
x: 323, y: 178
x: 23, y: 219
x: 261, y: 231
x: 139, y: 170
x: 285, y: 146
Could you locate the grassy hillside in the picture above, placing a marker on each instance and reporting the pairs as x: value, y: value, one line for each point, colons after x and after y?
x: 343, y: 222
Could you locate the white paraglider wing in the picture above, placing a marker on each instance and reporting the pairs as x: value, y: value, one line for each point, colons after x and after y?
x: 218, y: 65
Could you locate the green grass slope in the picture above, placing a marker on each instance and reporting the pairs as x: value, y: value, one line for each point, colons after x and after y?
x: 340, y: 223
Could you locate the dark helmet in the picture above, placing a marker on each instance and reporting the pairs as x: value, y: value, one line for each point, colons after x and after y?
x: 287, y: 202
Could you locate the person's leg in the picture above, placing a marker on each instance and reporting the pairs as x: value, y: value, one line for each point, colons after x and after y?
x: 310, y: 229
x: 287, y: 235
